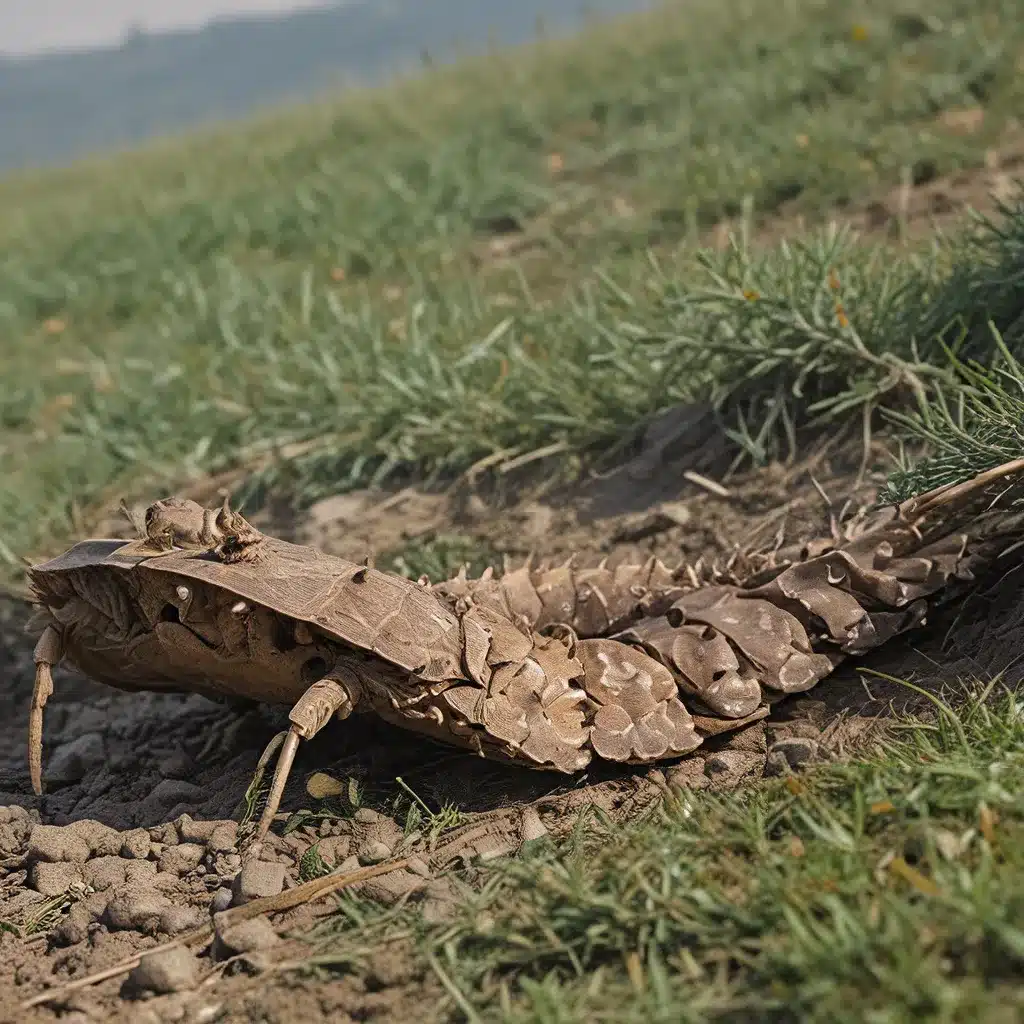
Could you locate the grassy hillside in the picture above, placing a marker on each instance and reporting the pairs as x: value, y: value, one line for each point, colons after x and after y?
x: 334, y: 280
x: 502, y: 260
x: 57, y: 106
x: 885, y: 890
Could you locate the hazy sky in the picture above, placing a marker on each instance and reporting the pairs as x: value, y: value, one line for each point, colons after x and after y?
x: 28, y: 26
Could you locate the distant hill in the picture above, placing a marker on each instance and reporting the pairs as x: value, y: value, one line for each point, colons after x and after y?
x: 55, y: 107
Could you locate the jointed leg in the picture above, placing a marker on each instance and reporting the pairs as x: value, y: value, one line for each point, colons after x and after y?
x: 48, y: 653
x: 333, y: 695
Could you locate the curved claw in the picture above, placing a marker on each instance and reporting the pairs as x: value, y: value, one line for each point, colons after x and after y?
x: 281, y: 772
x: 48, y: 652
x: 332, y: 695
x: 41, y: 691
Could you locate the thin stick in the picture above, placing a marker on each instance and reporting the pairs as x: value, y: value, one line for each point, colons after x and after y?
x: 709, y: 485
x: 287, y: 900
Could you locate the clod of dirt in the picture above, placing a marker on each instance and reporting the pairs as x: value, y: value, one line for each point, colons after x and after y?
x: 257, y: 878
x: 729, y: 767
x: 72, y: 929
x: 420, y: 867
x: 797, y: 751
x: 250, y: 936
x: 137, y: 907
x: 373, y: 852
x: 369, y: 826
x: 333, y: 849
x: 181, y: 859
x: 103, y: 840
x: 224, y: 838
x: 440, y: 901
x: 688, y: 774
x: 52, y: 878
x: 168, y: 794
x: 104, y: 873
x: 55, y: 844
x: 191, y: 831
x: 388, y: 889
x: 72, y: 761
x: 16, y: 825
x: 136, y: 844
x: 175, y: 920
x: 532, y: 827
x: 162, y: 972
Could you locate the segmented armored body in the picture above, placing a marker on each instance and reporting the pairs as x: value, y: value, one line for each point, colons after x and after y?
x: 546, y: 668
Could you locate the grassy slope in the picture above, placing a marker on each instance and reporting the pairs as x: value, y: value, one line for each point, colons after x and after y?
x: 198, y: 312
x: 187, y: 302
x: 887, y: 890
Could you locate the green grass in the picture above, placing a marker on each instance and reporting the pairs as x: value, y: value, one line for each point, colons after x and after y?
x: 177, y: 312
x: 314, y: 299
x: 888, y: 889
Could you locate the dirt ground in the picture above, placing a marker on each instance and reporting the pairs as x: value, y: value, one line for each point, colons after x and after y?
x: 144, y: 791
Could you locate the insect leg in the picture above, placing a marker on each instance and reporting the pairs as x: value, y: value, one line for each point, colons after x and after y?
x: 48, y: 652
x: 335, y: 694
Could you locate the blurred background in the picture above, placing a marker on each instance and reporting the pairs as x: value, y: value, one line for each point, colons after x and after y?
x: 76, y: 78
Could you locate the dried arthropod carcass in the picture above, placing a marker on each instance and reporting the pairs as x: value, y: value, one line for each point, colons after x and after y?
x: 545, y: 669
x: 204, y: 603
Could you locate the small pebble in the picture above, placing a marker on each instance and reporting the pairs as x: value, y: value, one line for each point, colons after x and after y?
x: 221, y: 900
x: 164, y: 971
x: 418, y: 866
x: 245, y: 937
x: 373, y: 852
x: 368, y: 816
x: 532, y: 827
x: 175, y: 920
x: 258, y: 878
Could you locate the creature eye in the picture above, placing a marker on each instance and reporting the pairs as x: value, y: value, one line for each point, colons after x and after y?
x: 183, y: 593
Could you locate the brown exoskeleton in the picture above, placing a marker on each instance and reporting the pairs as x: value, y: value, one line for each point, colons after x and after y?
x: 541, y: 667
